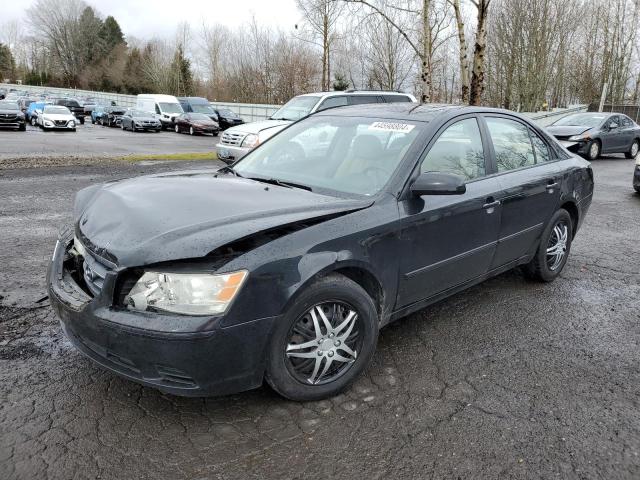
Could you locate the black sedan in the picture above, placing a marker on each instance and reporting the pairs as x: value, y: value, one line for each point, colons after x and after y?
x: 592, y: 134
x: 11, y: 116
x: 111, y: 116
x: 196, y: 123
x: 227, y: 118
x: 137, y: 120
x: 284, y: 266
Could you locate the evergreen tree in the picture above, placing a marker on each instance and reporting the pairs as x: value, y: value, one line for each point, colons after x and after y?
x: 340, y: 82
x: 181, y: 73
x: 7, y: 63
x: 111, y: 34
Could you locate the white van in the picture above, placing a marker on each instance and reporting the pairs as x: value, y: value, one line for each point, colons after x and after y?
x: 166, y: 107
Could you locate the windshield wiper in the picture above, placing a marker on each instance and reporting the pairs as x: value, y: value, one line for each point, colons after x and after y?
x: 229, y: 168
x: 283, y: 118
x: 281, y: 183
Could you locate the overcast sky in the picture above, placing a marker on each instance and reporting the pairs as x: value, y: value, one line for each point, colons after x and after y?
x: 155, y: 18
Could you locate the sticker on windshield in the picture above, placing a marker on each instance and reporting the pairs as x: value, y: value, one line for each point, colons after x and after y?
x: 391, y: 127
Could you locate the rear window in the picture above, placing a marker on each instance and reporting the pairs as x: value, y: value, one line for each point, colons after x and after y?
x: 362, y: 99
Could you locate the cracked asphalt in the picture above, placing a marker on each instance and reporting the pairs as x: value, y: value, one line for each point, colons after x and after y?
x: 510, y: 379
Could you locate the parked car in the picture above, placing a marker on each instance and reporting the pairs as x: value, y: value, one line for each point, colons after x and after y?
x: 636, y: 175
x: 283, y: 267
x: 135, y: 120
x: 96, y: 113
x: 24, y: 103
x: 11, y: 116
x: 112, y: 116
x: 73, y: 105
x: 227, y: 118
x: 196, y: 123
x: 237, y: 141
x: 591, y: 134
x: 56, y: 117
x: 31, y: 115
x: 91, y: 103
x: 167, y: 107
x: 198, y: 105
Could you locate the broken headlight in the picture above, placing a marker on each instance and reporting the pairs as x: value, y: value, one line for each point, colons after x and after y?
x: 185, y: 293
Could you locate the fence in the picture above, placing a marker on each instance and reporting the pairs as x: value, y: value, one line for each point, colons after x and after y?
x: 248, y: 111
x: 632, y: 111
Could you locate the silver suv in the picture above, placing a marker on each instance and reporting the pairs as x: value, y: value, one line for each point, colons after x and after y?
x: 237, y: 141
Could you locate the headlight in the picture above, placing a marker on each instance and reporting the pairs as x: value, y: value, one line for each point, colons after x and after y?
x: 251, y: 141
x: 72, y: 124
x: 577, y: 138
x: 186, y: 293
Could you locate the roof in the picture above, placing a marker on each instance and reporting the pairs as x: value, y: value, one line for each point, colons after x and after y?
x: 409, y: 111
x: 353, y: 92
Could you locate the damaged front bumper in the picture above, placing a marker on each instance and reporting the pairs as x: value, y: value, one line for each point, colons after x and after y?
x: 178, y: 354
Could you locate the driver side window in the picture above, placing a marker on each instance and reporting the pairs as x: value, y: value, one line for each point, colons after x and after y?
x: 458, y: 150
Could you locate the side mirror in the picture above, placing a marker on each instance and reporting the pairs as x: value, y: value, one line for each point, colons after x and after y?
x: 436, y: 183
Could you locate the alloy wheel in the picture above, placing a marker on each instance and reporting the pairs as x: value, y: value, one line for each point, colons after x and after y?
x: 557, y: 245
x: 594, y: 150
x: 634, y: 149
x: 177, y: 129
x: 323, y: 343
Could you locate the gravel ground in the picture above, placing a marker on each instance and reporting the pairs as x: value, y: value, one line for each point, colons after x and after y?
x: 510, y: 379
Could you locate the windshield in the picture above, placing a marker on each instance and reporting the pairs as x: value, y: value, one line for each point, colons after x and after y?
x: 296, y: 108
x: 170, y: 107
x: 57, y: 110
x: 199, y: 116
x: 9, y: 106
x: 352, y: 155
x: 581, y: 120
x: 227, y: 113
x: 201, y: 108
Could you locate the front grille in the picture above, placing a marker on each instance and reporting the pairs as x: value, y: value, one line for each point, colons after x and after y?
x: 232, y: 138
x: 94, y: 273
x: 60, y: 123
x: 562, y: 137
x: 8, y: 118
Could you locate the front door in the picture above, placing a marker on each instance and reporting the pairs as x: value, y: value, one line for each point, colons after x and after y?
x: 530, y: 186
x: 448, y: 240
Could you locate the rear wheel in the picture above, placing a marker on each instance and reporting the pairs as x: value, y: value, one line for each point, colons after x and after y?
x: 633, y: 150
x: 324, y: 341
x: 177, y: 129
x: 553, y: 251
x: 191, y: 131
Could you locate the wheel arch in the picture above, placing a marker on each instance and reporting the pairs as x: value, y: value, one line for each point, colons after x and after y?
x: 574, y: 213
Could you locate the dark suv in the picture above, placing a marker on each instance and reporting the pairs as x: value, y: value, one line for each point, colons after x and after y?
x: 74, y: 106
x: 112, y: 116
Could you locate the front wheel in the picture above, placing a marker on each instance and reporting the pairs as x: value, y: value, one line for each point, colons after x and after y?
x: 191, y: 131
x: 593, y: 150
x: 633, y: 150
x: 177, y: 129
x: 324, y: 341
x: 34, y: 123
x: 553, y: 251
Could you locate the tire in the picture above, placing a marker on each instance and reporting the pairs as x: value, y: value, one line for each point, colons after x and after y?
x: 593, y: 150
x: 34, y: 123
x: 633, y: 149
x: 93, y: 122
x: 81, y: 120
x: 191, y: 131
x: 73, y: 129
x: 176, y: 128
x: 281, y: 373
x: 539, y: 268
x: 122, y: 126
x: 22, y: 127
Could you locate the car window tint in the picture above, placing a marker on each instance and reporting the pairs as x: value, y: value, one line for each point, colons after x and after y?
x: 362, y: 99
x: 626, y: 121
x: 396, y: 98
x: 458, y: 150
x: 333, y: 102
x: 540, y: 147
x: 511, y: 144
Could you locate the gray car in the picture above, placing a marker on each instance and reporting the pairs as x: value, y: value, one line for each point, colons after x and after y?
x: 136, y: 120
x: 590, y: 134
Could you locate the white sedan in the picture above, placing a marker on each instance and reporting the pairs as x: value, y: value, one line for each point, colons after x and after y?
x: 56, y: 117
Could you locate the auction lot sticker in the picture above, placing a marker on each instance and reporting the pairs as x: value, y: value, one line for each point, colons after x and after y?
x: 391, y: 127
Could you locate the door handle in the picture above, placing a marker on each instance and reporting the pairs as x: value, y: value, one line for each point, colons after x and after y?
x: 551, y: 185
x: 491, y: 204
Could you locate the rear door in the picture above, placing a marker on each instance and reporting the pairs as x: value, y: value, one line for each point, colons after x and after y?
x: 448, y: 240
x: 628, y: 132
x: 530, y: 185
x: 612, y: 135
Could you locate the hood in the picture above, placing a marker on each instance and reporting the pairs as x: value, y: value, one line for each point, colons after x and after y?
x: 567, y: 130
x: 58, y: 116
x: 145, y: 119
x: 204, y: 122
x: 257, y: 127
x: 184, y: 215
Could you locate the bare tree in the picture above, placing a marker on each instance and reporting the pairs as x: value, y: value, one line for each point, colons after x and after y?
x: 477, y: 71
x: 463, y: 51
x: 322, y: 17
